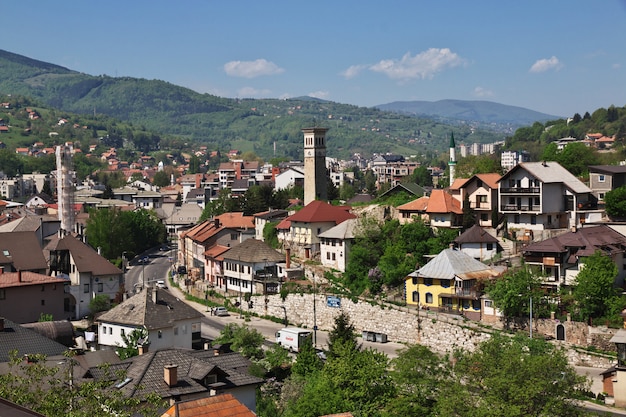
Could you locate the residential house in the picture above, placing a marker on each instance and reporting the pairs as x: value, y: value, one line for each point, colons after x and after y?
x: 181, y: 375
x: 289, y: 178
x: 306, y: 225
x: 265, y: 217
x: 227, y: 230
x: 335, y: 244
x: 477, y: 243
x: 561, y: 258
x: 90, y: 274
x: 236, y: 170
x: 251, y: 267
x: 444, y: 210
x: 605, y: 178
x: 223, y: 404
x: 408, y: 187
x: 27, y: 296
x: 481, y: 191
x: 181, y: 216
x: 452, y: 281
x: 413, y: 210
x: 21, y: 251
x: 537, y: 196
x: 170, y: 322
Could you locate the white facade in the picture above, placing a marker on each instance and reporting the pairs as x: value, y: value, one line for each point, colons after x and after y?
x: 288, y: 179
x: 480, y: 251
x: 334, y: 253
x: 177, y: 336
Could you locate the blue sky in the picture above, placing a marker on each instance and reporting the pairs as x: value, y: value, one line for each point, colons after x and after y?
x: 556, y: 57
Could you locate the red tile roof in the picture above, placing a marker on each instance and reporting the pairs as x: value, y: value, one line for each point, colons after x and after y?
x: 442, y: 202
x: 419, y: 204
x: 318, y: 211
x: 24, y: 278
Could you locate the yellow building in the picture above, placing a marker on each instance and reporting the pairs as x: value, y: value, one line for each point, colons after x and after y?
x: 451, y: 281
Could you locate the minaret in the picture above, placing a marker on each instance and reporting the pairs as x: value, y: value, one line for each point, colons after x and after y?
x: 452, y: 161
x: 315, y: 164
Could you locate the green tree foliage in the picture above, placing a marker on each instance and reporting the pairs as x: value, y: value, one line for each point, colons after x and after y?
x: 511, y: 293
x: 477, y: 164
x: 421, y: 176
x: 595, y: 291
x: 615, y: 202
x: 270, y: 234
x: 514, y: 377
x: 419, y: 376
x: 131, y: 342
x: 243, y: 339
x: 115, y: 231
x: 342, y: 333
x: 44, y: 386
x: 469, y: 215
x: 99, y: 303
x: 307, y: 361
x: 161, y: 179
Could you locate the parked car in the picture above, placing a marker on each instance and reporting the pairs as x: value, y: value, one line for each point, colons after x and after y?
x: 182, y: 270
x: 144, y: 260
x: 161, y: 284
x: 220, y: 311
x: 164, y: 248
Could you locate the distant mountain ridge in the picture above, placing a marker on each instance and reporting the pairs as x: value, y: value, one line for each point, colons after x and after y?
x: 268, y: 127
x: 469, y: 111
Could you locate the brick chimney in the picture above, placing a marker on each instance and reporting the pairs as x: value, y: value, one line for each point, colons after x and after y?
x: 170, y: 375
x: 217, y: 223
x: 143, y: 348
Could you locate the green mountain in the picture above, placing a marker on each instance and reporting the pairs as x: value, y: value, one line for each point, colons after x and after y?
x: 269, y: 127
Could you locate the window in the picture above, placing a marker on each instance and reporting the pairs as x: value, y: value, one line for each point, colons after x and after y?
x: 428, y: 281
x: 489, y: 246
x: 3, y: 295
x: 43, y: 288
x: 445, y: 283
x: 104, y: 329
x: 600, y: 196
x: 43, y: 302
x: 429, y: 298
x: 484, y: 217
x: 86, y: 288
x: 122, y: 332
x: 516, y: 218
x: 334, y: 256
x: 601, y: 178
x: 100, y: 287
x: 414, y: 280
x: 416, y: 297
x: 533, y: 219
x: 160, y: 334
x: 110, y: 330
x: 175, y: 331
x: 488, y: 304
x: 482, y: 198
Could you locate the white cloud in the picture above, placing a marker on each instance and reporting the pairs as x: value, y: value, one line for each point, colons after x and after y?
x: 251, y: 92
x: 319, y: 94
x: 252, y: 69
x: 482, y: 92
x: 544, y: 65
x: 423, y: 65
x: 352, y: 71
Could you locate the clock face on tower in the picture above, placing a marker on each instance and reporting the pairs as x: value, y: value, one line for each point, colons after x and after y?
x: 309, y: 152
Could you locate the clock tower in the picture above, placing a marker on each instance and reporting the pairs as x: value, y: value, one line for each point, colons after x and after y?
x: 315, y: 164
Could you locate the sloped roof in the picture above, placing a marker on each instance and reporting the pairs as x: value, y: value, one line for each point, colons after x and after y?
x: 84, y: 256
x: 146, y: 372
x: 608, y: 169
x: 490, y: 179
x: 61, y: 331
x: 549, y: 173
x: 442, y: 202
x: 22, y: 250
x: 141, y: 310
x: 360, y: 198
x: 344, y: 230
x: 215, y: 251
x: 271, y: 214
x: 458, y: 183
x: 25, y: 278
x: 29, y: 223
x: 475, y: 234
x: 409, y: 187
x: 252, y: 250
x: 319, y: 211
x: 451, y: 264
x: 235, y: 220
x: 25, y: 341
x: 218, y: 405
x: 419, y: 204
x: 585, y: 240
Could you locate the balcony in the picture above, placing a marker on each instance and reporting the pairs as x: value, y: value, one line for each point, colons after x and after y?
x: 515, y: 207
x: 520, y: 190
x: 483, y: 205
x: 466, y: 293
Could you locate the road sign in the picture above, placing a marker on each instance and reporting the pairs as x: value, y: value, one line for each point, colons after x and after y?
x: 332, y: 301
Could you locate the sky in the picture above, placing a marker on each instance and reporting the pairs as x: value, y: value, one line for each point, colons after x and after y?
x: 556, y: 57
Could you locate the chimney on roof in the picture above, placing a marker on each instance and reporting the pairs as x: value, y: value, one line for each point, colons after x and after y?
x: 287, y: 258
x: 19, y: 276
x: 217, y: 222
x: 155, y: 297
x: 143, y: 348
x: 170, y: 375
x: 544, y: 163
x: 1, y: 324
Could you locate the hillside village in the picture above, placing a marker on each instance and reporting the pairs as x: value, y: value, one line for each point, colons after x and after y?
x: 532, y: 212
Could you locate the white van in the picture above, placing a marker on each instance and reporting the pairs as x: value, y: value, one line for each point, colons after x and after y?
x: 292, y: 338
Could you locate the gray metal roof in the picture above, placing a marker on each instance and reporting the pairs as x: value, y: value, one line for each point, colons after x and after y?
x: 344, y: 230
x: 452, y: 263
x: 552, y: 172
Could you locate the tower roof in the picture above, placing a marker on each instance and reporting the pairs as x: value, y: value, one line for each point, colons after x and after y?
x: 452, y: 144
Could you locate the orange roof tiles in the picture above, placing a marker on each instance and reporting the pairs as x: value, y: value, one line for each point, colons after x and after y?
x: 419, y: 204
x: 458, y: 183
x: 224, y: 405
x: 442, y: 202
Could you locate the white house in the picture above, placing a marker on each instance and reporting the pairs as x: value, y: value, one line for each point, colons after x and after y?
x: 288, y: 179
x: 170, y: 322
x: 335, y: 244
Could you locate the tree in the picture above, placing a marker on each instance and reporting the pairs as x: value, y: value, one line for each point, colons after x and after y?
x: 512, y: 377
x: 46, y: 387
x: 512, y: 293
x: 342, y: 334
x: 419, y: 376
x: 595, y: 290
x: 469, y: 215
x: 161, y: 179
x: 131, y: 343
x: 244, y: 340
x: 307, y: 361
x: 99, y: 303
x: 615, y: 202
x: 194, y: 165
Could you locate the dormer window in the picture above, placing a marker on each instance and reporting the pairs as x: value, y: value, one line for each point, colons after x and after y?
x: 211, y: 379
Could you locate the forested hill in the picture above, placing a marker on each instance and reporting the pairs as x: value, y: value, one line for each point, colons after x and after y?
x: 247, y: 125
